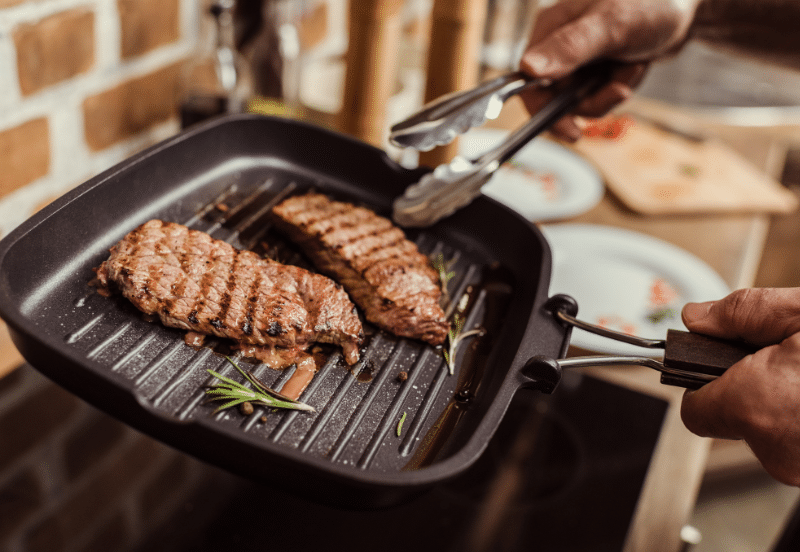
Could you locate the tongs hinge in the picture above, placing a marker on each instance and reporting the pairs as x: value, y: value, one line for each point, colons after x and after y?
x: 454, y: 185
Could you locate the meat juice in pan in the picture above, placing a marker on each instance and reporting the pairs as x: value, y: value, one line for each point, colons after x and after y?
x: 487, y: 290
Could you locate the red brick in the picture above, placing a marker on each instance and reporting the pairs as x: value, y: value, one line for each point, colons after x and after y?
x: 33, y: 420
x: 19, y: 499
x: 24, y: 154
x: 54, y: 49
x: 147, y: 24
x: 131, y: 107
x: 91, y: 442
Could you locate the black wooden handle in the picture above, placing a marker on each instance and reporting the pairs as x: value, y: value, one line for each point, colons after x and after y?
x: 700, y: 354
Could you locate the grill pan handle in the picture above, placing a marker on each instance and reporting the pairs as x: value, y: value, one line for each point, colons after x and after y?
x: 690, y: 359
x: 700, y: 354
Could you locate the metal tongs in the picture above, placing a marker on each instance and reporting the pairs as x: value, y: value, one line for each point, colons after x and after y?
x: 454, y: 185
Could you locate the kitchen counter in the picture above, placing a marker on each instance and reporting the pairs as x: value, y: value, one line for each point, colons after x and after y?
x: 732, y: 244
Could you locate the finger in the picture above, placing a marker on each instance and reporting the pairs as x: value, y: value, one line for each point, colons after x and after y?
x: 568, y: 129
x: 550, y: 18
x: 604, y: 100
x: 565, y: 49
x: 705, y: 412
x: 760, y: 316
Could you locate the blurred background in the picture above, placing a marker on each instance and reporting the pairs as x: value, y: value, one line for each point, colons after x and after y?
x: 85, y: 84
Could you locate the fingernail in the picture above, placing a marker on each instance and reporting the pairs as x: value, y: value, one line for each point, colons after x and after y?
x: 537, y: 63
x: 572, y: 132
x: 695, y: 312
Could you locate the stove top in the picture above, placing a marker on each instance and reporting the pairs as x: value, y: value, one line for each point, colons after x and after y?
x: 563, y: 472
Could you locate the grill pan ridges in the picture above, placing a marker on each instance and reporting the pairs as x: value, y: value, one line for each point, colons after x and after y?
x: 347, y: 453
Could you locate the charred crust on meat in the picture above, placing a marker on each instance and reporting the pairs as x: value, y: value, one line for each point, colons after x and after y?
x: 364, y: 259
x: 247, y: 326
x: 185, y: 269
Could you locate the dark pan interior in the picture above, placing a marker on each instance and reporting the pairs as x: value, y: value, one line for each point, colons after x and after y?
x: 223, y: 177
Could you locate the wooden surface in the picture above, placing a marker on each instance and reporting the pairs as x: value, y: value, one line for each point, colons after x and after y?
x: 371, y: 62
x: 656, y: 171
x: 453, y: 58
x: 732, y: 244
x: 9, y: 356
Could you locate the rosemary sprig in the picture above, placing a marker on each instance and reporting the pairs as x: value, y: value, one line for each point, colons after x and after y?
x: 400, y: 424
x: 236, y: 393
x: 454, y: 337
x: 442, y: 268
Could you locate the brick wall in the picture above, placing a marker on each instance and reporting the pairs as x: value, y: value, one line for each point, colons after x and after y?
x: 83, y: 85
x: 74, y: 479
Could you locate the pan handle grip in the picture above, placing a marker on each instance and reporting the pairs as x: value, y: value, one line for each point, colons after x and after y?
x: 700, y: 354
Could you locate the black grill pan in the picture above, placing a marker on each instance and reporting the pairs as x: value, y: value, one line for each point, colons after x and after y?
x: 223, y: 177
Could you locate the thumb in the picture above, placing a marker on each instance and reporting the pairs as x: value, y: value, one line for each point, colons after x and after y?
x: 566, y: 48
x: 761, y: 316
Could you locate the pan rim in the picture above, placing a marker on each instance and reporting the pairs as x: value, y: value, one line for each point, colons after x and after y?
x: 25, y: 328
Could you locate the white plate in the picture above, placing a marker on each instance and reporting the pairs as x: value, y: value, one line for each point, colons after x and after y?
x: 628, y: 282
x: 543, y: 181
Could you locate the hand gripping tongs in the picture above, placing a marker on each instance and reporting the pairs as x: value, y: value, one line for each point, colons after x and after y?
x: 451, y: 186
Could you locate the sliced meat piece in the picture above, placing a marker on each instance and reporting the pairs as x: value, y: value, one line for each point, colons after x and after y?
x: 384, y: 273
x: 195, y: 282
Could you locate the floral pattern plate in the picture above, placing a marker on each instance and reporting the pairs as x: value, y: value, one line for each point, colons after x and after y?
x: 626, y: 281
x: 543, y: 181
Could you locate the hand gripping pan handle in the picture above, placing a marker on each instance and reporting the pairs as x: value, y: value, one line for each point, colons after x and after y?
x: 690, y: 359
x: 700, y: 354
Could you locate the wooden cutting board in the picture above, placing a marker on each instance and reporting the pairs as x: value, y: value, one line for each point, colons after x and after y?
x: 656, y: 171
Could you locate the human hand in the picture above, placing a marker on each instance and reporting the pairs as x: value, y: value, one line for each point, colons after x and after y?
x: 758, y: 398
x: 574, y: 32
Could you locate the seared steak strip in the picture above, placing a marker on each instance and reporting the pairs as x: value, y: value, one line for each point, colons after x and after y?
x: 384, y: 273
x: 195, y: 282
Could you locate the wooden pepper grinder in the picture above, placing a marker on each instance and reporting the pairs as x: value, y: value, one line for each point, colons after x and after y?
x: 453, y: 58
x: 375, y: 31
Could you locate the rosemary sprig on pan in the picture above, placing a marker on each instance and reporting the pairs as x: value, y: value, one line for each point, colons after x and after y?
x: 236, y: 393
x: 442, y: 268
x: 454, y: 337
x: 400, y: 424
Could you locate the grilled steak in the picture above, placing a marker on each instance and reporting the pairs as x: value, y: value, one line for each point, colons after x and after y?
x: 383, y: 272
x: 195, y: 282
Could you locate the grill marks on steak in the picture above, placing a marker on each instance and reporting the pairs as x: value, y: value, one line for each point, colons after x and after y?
x: 195, y: 282
x: 384, y: 273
